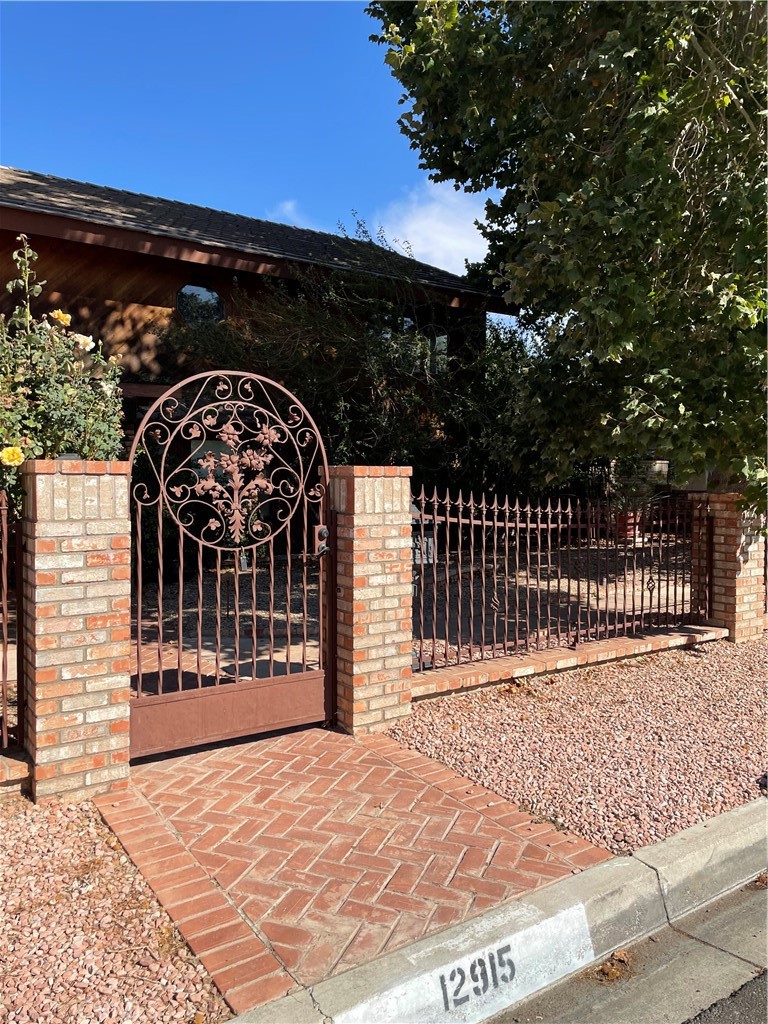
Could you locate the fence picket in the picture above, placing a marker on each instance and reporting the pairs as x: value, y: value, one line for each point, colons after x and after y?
x: 578, y: 570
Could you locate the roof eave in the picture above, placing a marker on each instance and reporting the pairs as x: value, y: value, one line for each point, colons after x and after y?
x: 32, y: 219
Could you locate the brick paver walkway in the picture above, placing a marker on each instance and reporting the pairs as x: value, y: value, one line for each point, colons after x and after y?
x: 292, y: 858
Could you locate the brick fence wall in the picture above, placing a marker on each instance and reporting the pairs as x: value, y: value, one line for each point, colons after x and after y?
x: 76, y: 625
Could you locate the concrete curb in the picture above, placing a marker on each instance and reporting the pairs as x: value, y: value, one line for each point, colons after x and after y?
x: 532, y: 942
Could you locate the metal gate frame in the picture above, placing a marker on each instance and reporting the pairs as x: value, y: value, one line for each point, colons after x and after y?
x: 255, y: 428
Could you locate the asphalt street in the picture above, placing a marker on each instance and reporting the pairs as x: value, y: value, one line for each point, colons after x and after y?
x: 747, y: 1006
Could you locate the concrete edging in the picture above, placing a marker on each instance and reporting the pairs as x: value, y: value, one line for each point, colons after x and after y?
x: 551, y: 933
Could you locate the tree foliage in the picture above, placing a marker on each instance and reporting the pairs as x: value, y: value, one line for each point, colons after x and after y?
x: 626, y: 143
x: 367, y: 361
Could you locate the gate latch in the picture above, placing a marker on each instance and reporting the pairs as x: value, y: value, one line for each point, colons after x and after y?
x: 321, y: 540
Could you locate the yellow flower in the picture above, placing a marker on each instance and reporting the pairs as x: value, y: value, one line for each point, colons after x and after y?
x: 63, y: 318
x: 11, y: 456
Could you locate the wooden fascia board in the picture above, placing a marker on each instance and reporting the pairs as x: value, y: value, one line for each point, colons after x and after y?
x: 35, y: 222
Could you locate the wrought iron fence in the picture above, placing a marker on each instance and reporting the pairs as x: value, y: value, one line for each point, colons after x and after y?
x: 11, y: 709
x: 494, y: 578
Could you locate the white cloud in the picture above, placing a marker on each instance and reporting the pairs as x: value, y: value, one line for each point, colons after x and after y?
x: 288, y: 212
x: 438, y: 224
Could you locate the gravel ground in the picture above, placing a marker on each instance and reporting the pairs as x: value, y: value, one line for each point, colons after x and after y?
x: 82, y: 938
x: 623, y: 754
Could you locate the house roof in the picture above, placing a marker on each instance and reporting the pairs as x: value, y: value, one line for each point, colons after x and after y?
x: 132, y: 211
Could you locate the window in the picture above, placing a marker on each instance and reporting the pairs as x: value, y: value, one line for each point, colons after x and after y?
x: 198, y: 306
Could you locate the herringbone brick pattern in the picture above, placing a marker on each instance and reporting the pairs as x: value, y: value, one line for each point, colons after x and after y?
x: 336, y: 850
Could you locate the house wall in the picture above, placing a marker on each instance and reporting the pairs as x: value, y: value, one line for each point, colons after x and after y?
x: 123, y: 298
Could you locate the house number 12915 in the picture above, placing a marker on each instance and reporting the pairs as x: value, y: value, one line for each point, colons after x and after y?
x: 459, y: 985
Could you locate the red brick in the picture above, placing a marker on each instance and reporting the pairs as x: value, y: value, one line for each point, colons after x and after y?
x: 42, y: 546
x: 256, y: 993
x: 95, y: 558
x: 83, y: 764
x: 201, y: 943
x: 54, y: 689
x: 209, y: 902
x: 248, y: 971
x: 286, y: 934
x: 104, y: 621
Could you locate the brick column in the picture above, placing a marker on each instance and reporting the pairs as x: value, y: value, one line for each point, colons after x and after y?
x: 76, y: 625
x: 737, y: 585
x: 373, y: 595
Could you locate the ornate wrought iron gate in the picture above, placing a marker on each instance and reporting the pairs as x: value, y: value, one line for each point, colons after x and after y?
x: 230, y: 602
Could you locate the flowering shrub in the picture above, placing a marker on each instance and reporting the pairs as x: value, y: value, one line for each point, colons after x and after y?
x: 58, y: 394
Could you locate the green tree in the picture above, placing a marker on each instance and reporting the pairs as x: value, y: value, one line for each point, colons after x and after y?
x: 626, y: 142
x: 369, y: 361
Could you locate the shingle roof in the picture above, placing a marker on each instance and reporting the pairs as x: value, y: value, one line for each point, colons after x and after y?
x: 111, y: 207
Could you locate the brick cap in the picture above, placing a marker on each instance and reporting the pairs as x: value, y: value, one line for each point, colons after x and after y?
x: 75, y: 467
x: 726, y: 497
x: 345, y: 472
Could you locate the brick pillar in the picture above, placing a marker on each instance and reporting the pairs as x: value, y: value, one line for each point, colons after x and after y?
x: 373, y: 595
x: 738, y: 565
x: 76, y: 625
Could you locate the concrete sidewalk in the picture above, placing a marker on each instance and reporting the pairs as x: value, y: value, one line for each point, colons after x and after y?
x: 471, y: 972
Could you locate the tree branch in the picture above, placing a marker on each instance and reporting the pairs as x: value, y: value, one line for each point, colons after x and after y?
x: 716, y: 73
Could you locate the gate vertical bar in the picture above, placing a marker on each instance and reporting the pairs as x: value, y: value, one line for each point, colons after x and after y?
x: 447, y: 603
x: 460, y: 577
x: 139, y: 562
x: 304, y: 608
x: 160, y: 679
x: 199, y: 620
x: 422, y: 572
x: 579, y: 570
x: 495, y: 606
x: 506, y: 574
x: 435, y: 516
x: 4, y: 617
x: 471, y: 576
x: 483, y: 570
x: 180, y: 608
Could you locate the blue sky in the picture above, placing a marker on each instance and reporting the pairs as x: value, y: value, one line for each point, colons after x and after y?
x: 281, y: 110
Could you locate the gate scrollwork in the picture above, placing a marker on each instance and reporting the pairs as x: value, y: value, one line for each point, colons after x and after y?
x: 230, y: 457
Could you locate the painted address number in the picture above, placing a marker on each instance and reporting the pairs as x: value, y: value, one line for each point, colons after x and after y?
x: 485, y: 972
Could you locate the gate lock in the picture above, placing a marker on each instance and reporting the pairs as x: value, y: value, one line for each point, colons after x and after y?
x: 321, y: 540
